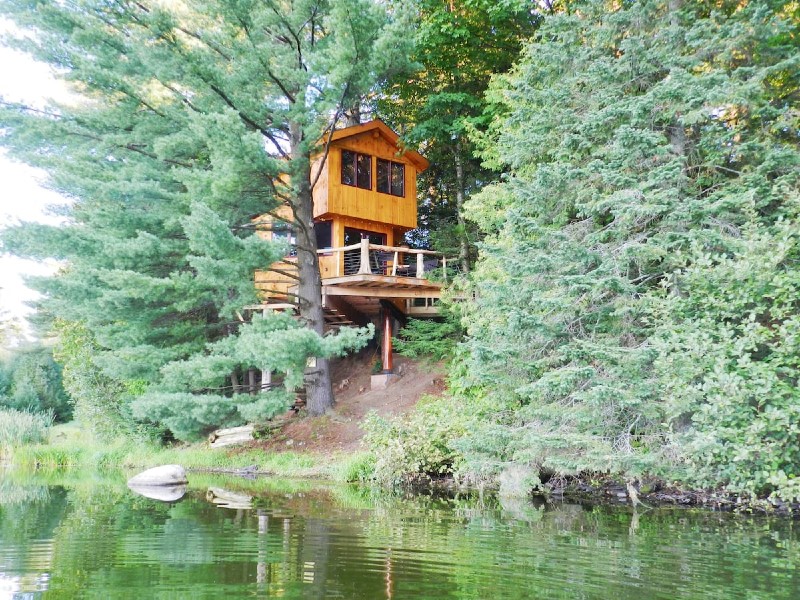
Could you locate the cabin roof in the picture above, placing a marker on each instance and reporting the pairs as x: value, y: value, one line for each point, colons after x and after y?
x: 390, y: 136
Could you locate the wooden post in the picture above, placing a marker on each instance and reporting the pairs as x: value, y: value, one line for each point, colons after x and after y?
x: 266, y: 379
x: 387, y: 341
x: 251, y: 381
x: 444, y: 267
x: 363, y: 268
x: 420, y: 264
x: 339, y: 271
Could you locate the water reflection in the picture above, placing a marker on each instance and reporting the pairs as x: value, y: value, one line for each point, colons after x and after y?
x: 162, y: 493
x: 230, y: 538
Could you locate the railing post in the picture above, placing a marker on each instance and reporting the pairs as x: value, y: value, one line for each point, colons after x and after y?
x: 394, y: 263
x: 339, y: 272
x: 420, y: 265
x: 444, y: 267
x: 363, y: 268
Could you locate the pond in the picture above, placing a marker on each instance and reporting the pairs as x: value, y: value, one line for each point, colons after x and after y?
x: 83, y: 537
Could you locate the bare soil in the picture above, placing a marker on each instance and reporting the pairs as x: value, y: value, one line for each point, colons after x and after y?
x: 340, y: 429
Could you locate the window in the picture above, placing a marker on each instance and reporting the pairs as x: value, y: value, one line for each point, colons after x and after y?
x: 357, y: 169
x: 324, y: 234
x: 391, y: 177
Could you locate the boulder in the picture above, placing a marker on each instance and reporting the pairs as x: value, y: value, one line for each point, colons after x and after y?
x: 164, y: 475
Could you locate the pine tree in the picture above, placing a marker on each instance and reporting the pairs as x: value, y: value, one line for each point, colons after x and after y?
x: 193, y: 114
x: 636, y: 140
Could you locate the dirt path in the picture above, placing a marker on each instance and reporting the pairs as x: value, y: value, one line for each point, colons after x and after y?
x: 340, y: 429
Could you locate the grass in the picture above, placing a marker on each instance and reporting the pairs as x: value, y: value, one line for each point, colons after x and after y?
x: 17, y: 428
x: 70, y: 447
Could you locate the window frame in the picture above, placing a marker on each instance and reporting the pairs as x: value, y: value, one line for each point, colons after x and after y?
x: 391, y: 164
x: 359, y: 159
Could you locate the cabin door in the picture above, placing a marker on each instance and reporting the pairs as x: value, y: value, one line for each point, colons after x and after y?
x: 352, y: 258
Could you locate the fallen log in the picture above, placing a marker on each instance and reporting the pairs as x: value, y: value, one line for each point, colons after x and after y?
x: 233, y: 435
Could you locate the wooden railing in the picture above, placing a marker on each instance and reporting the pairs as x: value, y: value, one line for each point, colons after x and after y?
x: 374, y: 259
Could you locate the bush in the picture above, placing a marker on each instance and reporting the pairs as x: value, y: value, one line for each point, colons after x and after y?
x: 18, y: 427
x: 728, y: 365
x: 420, y: 444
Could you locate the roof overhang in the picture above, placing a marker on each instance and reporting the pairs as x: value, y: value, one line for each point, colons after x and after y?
x: 376, y: 125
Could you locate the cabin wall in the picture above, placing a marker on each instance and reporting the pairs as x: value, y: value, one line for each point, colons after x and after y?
x: 369, y: 205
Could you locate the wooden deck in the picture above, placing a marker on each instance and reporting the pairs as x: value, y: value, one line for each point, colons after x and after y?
x: 357, y: 278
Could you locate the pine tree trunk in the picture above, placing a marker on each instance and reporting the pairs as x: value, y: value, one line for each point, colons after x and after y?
x: 463, y: 242
x: 252, y: 382
x: 319, y: 391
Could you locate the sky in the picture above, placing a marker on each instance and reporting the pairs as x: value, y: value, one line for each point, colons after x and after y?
x: 23, y: 195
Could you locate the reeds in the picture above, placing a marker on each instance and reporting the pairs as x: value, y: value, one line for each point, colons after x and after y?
x: 18, y: 428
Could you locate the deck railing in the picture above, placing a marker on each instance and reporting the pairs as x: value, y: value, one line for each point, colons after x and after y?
x: 374, y: 259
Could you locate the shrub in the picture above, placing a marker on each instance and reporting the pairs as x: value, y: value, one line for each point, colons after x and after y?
x: 420, y: 444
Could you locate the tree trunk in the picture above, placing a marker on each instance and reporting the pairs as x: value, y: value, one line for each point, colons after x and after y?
x: 319, y: 391
x: 235, y: 382
x: 251, y: 381
x: 463, y: 242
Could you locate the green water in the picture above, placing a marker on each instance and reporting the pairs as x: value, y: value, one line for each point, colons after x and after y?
x: 81, y: 538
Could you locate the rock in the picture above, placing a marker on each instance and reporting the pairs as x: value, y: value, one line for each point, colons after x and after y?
x: 167, y: 475
x: 164, y: 493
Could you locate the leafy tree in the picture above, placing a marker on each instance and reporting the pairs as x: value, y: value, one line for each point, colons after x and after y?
x: 191, y: 115
x: 457, y: 48
x: 640, y: 142
x: 30, y: 380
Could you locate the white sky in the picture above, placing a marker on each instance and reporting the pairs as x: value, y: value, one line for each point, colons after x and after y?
x: 22, y: 197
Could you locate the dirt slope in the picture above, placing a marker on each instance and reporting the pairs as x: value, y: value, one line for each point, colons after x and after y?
x: 340, y: 429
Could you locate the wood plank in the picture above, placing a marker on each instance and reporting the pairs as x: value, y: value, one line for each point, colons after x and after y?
x: 382, y: 292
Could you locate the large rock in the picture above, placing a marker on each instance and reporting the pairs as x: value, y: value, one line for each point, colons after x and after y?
x: 163, y: 475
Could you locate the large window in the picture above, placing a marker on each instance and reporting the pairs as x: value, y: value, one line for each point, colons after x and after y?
x: 391, y: 177
x: 357, y: 169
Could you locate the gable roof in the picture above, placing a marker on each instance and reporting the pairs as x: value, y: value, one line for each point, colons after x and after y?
x: 390, y: 136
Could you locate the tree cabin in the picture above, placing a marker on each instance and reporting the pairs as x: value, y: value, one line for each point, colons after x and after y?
x: 365, y: 200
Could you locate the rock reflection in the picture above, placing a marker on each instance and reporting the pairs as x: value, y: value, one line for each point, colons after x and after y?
x: 163, y: 493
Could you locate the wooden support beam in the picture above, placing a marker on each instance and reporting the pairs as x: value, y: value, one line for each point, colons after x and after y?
x: 377, y: 292
x: 387, y: 341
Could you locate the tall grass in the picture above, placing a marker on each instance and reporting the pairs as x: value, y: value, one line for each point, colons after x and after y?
x: 72, y: 447
x: 18, y: 428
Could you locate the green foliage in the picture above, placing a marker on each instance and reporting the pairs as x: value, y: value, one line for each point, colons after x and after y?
x: 30, y: 380
x: 728, y: 363
x: 356, y: 468
x: 99, y: 400
x: 426, y: 338
x: 18, y: 428
x: 457, y: 48
x: 620, y: 323
x: 420, y: 444
x: 186, y: 403
x: 191, y: 119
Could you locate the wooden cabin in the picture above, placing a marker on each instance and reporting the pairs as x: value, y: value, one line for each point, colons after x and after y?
x: 365, y: 201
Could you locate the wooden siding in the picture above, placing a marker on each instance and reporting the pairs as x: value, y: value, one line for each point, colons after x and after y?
x: 332, y: 198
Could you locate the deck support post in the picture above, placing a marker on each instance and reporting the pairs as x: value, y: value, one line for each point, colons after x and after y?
x: 387, y: 341
x: 363, y: 268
